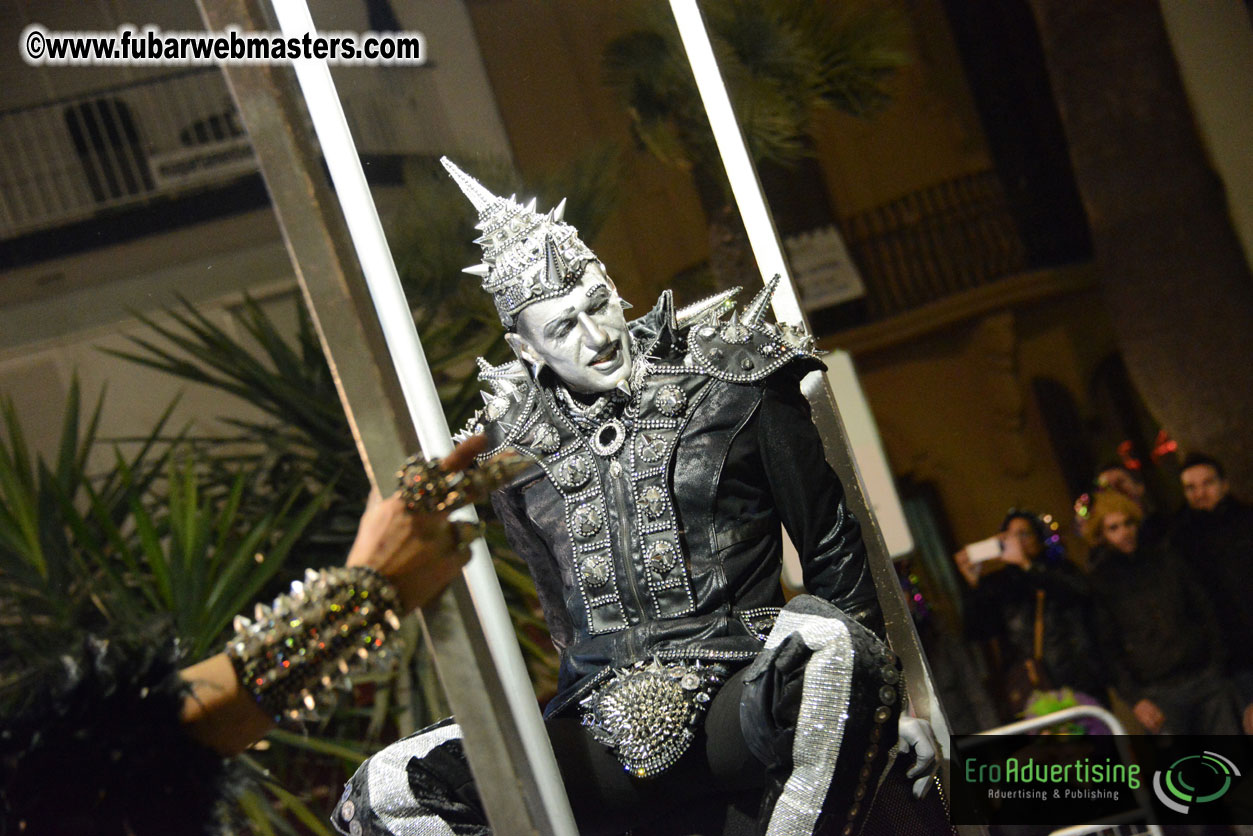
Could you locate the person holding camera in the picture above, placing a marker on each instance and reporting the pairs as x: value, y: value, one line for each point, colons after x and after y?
x: 1031, y: 610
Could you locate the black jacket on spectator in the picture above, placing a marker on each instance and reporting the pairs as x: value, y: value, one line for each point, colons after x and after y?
x: 1002, y: 609
x: 1217, y: 548
x: 1154, y: 622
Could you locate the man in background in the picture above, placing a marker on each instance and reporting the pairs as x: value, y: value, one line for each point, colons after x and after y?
x: 1214, y: 535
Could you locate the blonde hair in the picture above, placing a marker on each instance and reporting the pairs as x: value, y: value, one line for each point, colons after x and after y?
x: 1108, y: 502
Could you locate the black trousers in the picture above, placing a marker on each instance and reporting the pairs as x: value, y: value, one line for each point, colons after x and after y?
x: 799, y: 739
x: 423, y: 783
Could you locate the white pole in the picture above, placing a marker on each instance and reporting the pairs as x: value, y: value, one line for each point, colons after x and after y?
x: 421, y: 397
x: 740, y: 171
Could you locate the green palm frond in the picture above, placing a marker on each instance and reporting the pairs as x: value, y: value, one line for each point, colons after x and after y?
x: 781, y: 60
x: 62, y: 559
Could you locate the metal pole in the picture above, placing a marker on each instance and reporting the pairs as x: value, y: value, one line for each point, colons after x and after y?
x: 768, y: 252
x: 364, y: 324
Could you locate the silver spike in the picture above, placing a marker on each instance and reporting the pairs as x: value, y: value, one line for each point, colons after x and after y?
x: 480, y: 270
x: 756, y: 310
x: 241, y: 624
x: 558, y: 212
x: 697, y: 311
x: 488, y: 397
x: 471, y: 188
x: 557, y: 265
x: 530, y: 207
x: 502, y: 387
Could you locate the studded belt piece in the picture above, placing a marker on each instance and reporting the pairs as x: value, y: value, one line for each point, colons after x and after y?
x: 648, y: 713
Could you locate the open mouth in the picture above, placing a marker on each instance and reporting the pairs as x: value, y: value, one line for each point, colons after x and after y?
x: 608, y: 356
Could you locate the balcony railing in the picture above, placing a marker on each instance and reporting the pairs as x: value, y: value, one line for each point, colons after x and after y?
x: 71, y: 159
x: 935, y: 242
x: 125, y: 145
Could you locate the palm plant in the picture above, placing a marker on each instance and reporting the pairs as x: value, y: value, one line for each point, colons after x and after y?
x: 143, y: 544
x: 58, y: 549
x: 782, y: 61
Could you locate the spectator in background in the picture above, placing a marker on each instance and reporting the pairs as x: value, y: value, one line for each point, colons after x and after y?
x: 1214, y: 535
x: 1032, y: 611
x: 1156, y: 627
x: 1116, y: 476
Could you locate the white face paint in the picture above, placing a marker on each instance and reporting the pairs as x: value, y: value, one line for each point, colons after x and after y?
x: 581, y: 335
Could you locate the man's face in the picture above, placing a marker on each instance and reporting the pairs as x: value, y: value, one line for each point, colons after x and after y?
x: 1119, y: 532
x: 1203, y: 488
x: 580, y: 335
x: 1122, y: 481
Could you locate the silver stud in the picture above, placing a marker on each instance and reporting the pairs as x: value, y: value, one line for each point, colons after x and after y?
x: 654, y: 502
x: 586, y: 520
x: 596, y: 570
x: 574, y: 472
x: 650, y: 446
x: 546, y: 439
x: 661, y: 558
x: 670, y: 400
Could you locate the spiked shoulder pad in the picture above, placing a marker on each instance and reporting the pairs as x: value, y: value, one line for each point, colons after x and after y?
x: 739, y: 353
x: 508, y: 403
x: 744, y: 348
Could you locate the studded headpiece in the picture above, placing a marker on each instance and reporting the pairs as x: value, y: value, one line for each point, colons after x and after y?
x: 526, y: 256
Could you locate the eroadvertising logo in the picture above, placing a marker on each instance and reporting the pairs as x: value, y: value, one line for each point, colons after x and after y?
x: 1065, y: 780
x: 1194, y: 779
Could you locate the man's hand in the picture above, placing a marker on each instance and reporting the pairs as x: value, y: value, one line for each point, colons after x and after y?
x: 969, y: 571
x: 1152, y: 718
x: 419, y: 553
x: 916, y: 736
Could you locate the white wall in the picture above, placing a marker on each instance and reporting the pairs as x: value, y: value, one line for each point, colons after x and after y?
x: 45, y: 341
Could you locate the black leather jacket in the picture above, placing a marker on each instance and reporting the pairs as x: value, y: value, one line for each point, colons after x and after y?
x: 1003, y: 609
x: 669, y: 544
x: 1153, y: 620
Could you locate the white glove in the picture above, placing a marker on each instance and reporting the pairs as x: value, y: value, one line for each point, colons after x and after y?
x: 916, y: 736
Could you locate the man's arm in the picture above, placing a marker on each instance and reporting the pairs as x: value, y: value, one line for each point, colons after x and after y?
x: 419, y: 554
x: 809, y: 499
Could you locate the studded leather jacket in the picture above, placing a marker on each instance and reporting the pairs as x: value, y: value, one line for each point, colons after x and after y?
x: 651, y: 525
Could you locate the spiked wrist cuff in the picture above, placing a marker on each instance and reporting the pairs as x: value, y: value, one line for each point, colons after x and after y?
x: 330, y: 625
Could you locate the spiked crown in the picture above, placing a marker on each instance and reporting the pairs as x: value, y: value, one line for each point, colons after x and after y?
x: 527, y: 256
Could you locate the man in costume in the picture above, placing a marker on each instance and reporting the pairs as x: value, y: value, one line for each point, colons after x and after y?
x: 668, y: 451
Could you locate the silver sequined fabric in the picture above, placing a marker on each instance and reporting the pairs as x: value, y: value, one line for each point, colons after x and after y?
x: 820, y: 723
x: 387, y: 786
